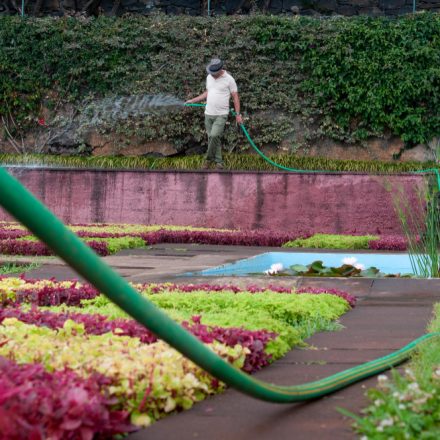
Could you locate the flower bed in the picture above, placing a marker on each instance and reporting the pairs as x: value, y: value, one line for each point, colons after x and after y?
x: 70, y: 336
x: 108, y: 239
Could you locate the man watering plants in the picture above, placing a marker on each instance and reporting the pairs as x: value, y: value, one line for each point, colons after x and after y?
x: 219, y: 87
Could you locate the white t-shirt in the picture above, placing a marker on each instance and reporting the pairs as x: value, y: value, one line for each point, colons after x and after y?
x: 219, y: 93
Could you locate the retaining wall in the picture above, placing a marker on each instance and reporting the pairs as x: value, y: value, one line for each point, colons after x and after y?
x: 330, y: 203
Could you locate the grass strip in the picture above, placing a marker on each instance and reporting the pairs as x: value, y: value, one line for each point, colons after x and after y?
x: 238, y: 162
x: 11, y: 268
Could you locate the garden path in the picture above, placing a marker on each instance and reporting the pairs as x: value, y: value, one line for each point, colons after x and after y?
x: 389, y: 314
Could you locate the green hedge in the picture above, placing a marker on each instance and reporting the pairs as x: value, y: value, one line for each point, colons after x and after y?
x: 347, y: 77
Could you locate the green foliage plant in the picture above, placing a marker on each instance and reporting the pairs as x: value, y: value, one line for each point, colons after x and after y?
x: 420, y: 221
x: 9, y: 268
x: 332, y: 241
x: 350, y: 77
x: 116, y: 228
x: 292, y: 317
x: 407, y: 406
x: 136, y: 228
x: 65, y: 57
x: 317, y: 269
x: 117, y: 244
x: 365, y: 74
x: 114, y: 244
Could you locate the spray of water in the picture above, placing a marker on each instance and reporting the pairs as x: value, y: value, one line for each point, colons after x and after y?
x: 120, y: 108
x: 104, y: 112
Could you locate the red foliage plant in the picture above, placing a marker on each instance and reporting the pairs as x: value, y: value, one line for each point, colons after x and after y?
x: 389, y: 243
x: 37, y: 405
x: 36, y: 248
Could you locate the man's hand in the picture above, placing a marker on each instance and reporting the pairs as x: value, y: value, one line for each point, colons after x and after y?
x: 199, y: 98
x: 236, y: 100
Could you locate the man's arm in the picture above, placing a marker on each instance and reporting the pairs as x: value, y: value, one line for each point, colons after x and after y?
x: 199, y: 98
x: 236, y: 100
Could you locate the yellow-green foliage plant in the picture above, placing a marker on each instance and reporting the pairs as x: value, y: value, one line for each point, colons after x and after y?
x: 133, y: 367
x: 332, y: 241
x: 292, y: 316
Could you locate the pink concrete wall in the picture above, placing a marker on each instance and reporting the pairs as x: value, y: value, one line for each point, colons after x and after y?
x: 330, y: 203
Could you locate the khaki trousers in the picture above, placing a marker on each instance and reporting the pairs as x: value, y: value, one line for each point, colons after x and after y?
x: 215, y: 126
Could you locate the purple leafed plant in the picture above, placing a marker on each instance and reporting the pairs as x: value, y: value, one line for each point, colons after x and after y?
x: 100, y: 247
x: 351, y: 299
x: 23, y: 247
x: 255, y: 340
x: 243, y: 238
x: 54, y: 296
x: 36, y: 248
x: 37, y: 405
x: 94, y: 324
x: 239, y: 238
x: 7, y: 234
x: 72, y: 296
x: 389, y: 243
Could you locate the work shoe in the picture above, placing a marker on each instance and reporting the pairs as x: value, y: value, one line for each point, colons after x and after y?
x: 219, y: 166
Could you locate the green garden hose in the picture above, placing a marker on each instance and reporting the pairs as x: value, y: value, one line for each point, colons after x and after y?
x: 294, y: 170
x: 21, y: 204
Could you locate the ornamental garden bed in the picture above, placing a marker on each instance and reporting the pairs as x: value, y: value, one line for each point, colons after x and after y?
x: 107, y: 239
x: 114, y: 375
x: 65, y: 346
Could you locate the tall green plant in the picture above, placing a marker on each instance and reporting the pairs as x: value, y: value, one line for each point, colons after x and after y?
x: 420, y: 220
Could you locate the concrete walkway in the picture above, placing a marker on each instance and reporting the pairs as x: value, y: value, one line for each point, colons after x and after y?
x: 390, y: 313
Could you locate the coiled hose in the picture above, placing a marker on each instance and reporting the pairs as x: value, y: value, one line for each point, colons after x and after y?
x: 22, y: 205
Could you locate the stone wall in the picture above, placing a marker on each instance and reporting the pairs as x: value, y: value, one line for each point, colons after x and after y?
x: 297, y: 203
x: 219, y: 7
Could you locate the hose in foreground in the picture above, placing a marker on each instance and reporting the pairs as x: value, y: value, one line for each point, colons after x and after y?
x: 21, y: 204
